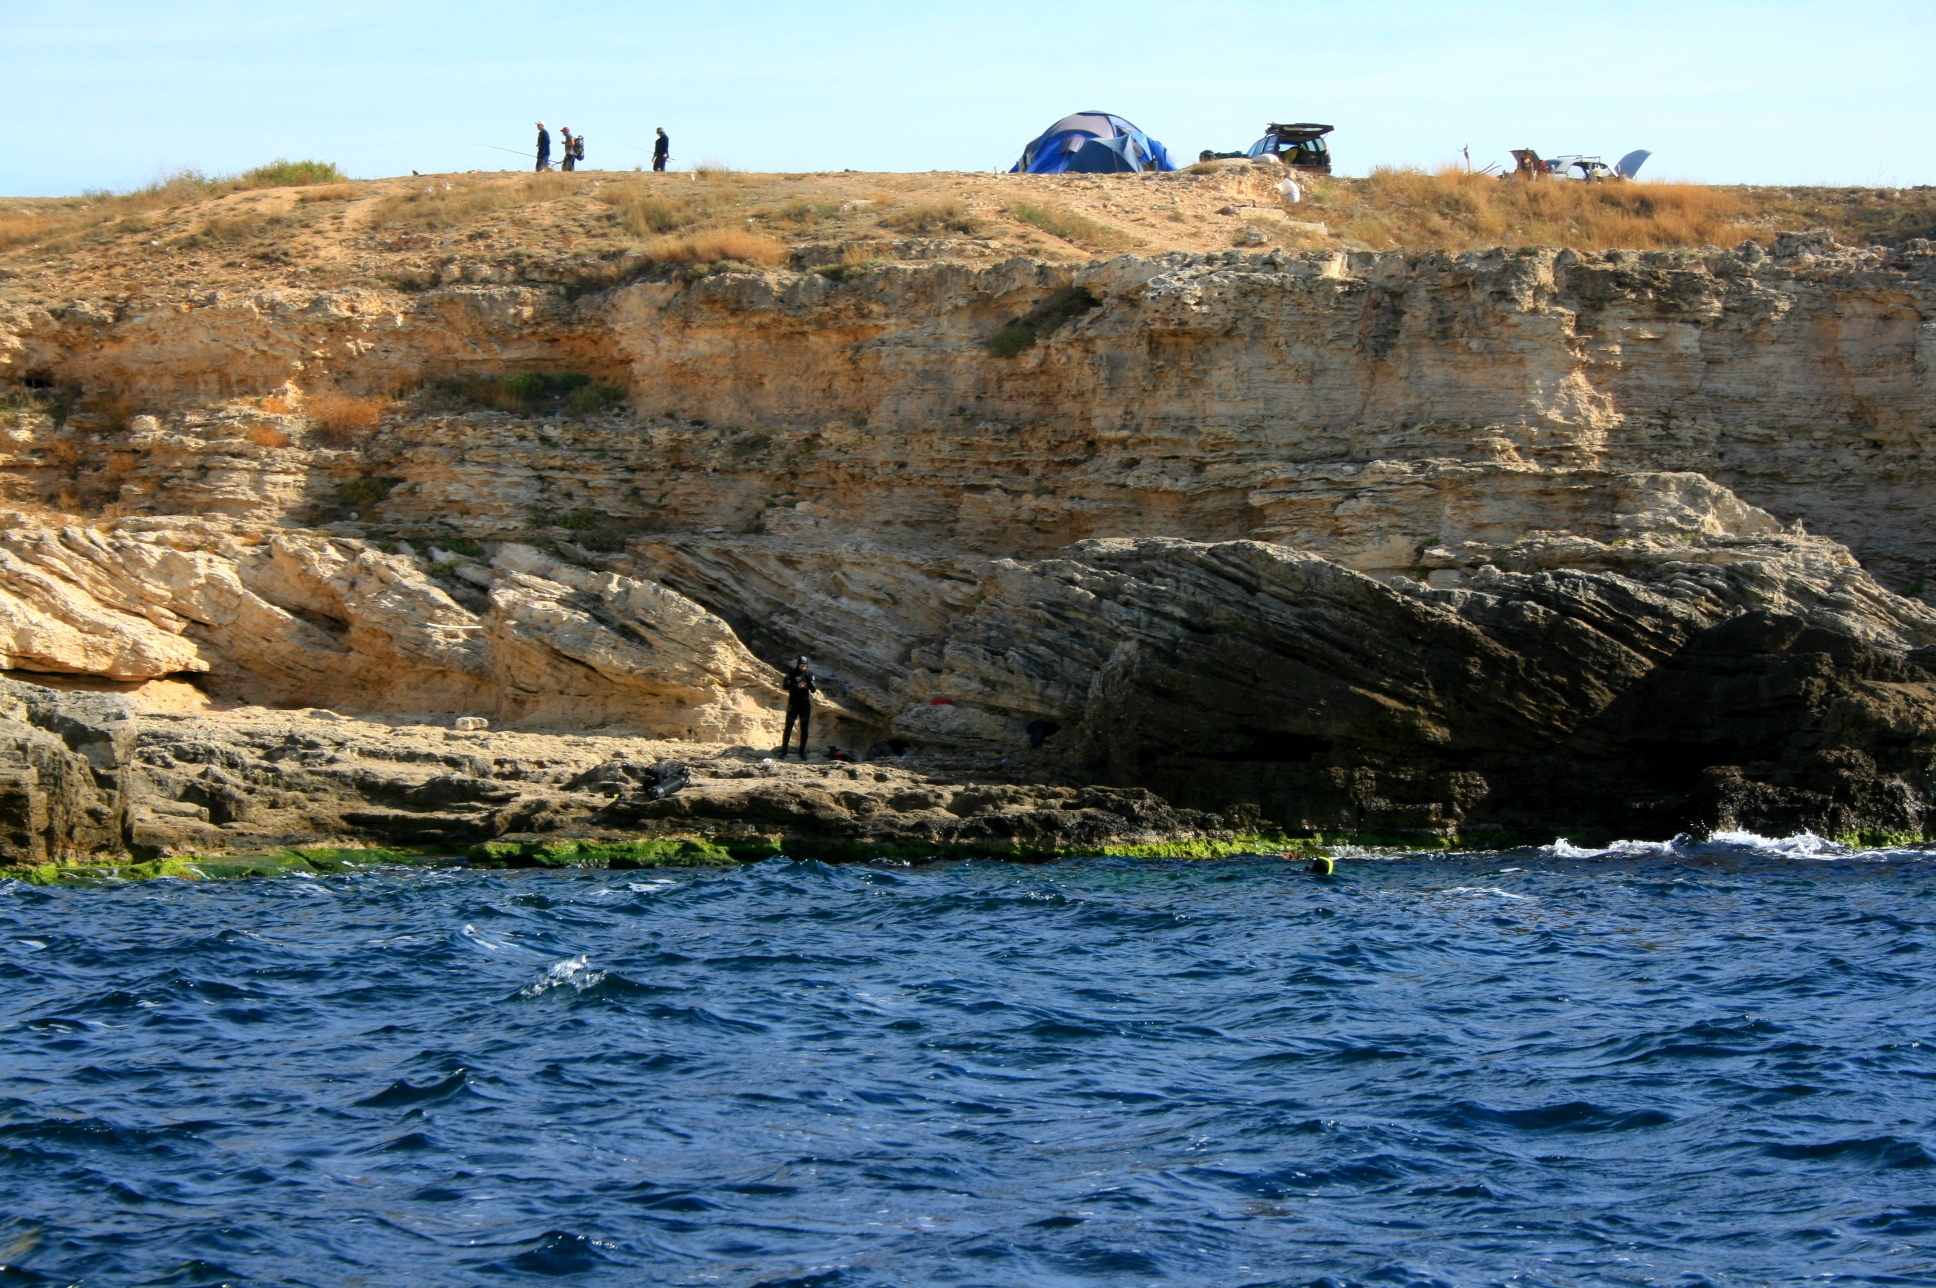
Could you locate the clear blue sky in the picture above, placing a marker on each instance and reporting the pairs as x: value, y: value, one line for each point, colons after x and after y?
x: 109, y: 93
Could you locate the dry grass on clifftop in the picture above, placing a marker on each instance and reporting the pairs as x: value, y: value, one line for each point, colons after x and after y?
x: 725, y: 244
x: 1456, y: 210
x: 47, y: 224
x: 189, y: 234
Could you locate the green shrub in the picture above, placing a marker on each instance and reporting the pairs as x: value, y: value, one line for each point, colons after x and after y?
x: 1071, y: 227
x: 282, y: 173
x: 368, y: 490
x: 465, y: 546
x: 593, y: 398
x: 56, y: 401
x: 570, y: 520
x: 526, y: 393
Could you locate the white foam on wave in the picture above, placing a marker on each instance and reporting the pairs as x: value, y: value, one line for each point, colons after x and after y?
x: 1565, y: 849
x: 477, y: 939
x: 574, y: 971
x: 471, y: 933
x: 1801, y: 845
x: 1492, y: 890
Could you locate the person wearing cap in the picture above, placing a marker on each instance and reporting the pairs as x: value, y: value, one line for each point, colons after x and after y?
x: 800, y: 687
x: 544, y: 147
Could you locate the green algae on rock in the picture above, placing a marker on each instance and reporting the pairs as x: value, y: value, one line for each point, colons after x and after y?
x: 308, y: 861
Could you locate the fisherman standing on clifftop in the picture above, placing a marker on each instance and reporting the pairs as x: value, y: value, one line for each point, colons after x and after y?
x: 800, y: 687
x: 544, y: 147
x: 661, y: 149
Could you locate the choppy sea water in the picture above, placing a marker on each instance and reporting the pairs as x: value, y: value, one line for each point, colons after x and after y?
x: 1701, y: 1065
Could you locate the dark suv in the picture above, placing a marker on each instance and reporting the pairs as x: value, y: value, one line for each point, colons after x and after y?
x: 1300, y: 146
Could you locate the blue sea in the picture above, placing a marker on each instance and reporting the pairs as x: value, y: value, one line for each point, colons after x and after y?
x: 1708, y: 1064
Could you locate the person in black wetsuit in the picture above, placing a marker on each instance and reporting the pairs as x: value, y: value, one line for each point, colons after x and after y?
x: 800, y: 686
x: 661, y: 148
x: 544, y: 147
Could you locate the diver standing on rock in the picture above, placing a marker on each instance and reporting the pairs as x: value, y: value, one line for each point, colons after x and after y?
x: 800, y: 686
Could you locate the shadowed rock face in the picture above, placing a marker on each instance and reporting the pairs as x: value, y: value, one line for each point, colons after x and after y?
x: 1761, y: 681
x: 1243, y: 671
x: 65, y: 761
x: 1556, y: 682
x: 1417, y: 545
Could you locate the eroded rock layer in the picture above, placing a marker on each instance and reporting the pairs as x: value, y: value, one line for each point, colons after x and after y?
x: 1525, y: 541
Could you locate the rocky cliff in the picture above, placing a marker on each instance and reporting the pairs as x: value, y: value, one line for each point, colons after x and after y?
x: 1395, y: 543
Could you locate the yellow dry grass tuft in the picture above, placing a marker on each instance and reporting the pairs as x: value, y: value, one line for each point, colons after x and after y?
x: 1452, y: 209
x: 936, y: 217
x: 654, y: 205
x: 712, y: 245
x: 24, y: 230
x: 652, y: 215
x: 454, y: 203
x: 335, y: 192
x: 343, y: 420
x: 440, y: 206
x: 798, y: 215
x: 250, y: 226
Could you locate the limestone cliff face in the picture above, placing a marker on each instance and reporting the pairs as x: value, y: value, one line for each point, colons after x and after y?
x: 1204, y: 396
x: 1380, y: 541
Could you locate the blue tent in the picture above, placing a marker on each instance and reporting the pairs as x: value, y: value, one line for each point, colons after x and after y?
x: 1092, y: 143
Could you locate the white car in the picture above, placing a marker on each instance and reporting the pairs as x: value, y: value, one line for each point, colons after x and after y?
x: 1533, y: 166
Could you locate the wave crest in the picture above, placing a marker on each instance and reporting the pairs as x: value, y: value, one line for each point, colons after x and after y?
x: 1800, y: 845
